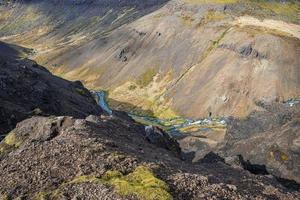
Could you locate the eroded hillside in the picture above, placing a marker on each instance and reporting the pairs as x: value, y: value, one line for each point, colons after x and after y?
x: 167, y: 58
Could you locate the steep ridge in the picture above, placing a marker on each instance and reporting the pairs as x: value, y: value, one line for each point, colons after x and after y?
x: 182, y: 57
x: 29, y: 89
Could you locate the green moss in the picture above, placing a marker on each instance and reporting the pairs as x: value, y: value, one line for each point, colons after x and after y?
x: 283, y: 156
x: 10, y: 142
x: 112, y: 174
x: 147, y: 77
x: 141, y: 183
x: 80, y: 91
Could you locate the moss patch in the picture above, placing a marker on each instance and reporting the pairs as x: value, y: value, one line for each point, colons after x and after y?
x: 147, y: 77
x: 284, y: 157
x: 81, y: 91
x: 141, y: 183
x: 10, y: 142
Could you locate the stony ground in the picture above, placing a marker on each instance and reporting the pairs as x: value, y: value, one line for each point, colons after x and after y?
x: 268, y: 138
x: 67, y: 158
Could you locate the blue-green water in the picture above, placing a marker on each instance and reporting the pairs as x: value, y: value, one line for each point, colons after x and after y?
x: 174, y: 127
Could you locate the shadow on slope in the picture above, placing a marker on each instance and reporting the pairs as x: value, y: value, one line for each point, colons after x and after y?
x: 29, y: 89
x: 66, y: 17
x: 12, y: 51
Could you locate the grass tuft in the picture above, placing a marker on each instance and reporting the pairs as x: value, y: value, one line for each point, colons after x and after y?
x: 141, y: 183
x: 10, y: 142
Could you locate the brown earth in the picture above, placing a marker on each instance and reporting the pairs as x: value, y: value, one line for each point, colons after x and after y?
x: 170, y: 58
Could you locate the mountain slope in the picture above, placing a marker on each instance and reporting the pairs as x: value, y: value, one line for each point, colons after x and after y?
x: 185, y: 57
x: 28, y: 89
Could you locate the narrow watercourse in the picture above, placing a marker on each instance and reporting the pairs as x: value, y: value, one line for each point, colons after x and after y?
x: 175, y: 127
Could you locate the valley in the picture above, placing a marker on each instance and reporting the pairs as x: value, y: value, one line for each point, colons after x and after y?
x: 169, y: 58
x: 149, y: 99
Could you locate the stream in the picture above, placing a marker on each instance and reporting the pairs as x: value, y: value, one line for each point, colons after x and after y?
x: 179, y: 126
x: 175, y: 127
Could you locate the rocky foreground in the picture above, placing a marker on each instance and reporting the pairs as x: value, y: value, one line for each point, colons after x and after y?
x: 83, y: 156
x: 111, y: 158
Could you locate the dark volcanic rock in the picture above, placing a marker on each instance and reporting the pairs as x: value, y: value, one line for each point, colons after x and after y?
x: 27, y: 89
x: 161, y: 139
x: 268, y: 141
x: 211, y: 157
x: 66, y: 158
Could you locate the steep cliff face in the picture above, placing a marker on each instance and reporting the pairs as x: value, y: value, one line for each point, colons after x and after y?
x: 29, y: 89
x: 167, y: 58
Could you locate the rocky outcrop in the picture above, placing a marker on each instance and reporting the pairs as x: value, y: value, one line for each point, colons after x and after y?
x: 267, y: 140
x: 160, y: 138
x: 29, y: 89
x: 64, y: 157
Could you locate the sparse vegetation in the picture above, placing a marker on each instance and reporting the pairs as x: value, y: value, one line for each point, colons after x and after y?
x: 11, y: 141
x: 141, y: 183
x: 132, y: 87
x: 213, y: 15
x: 81, y: 91
x: 146, y: 78
x: 187, y: 19
x: 280, y: 8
